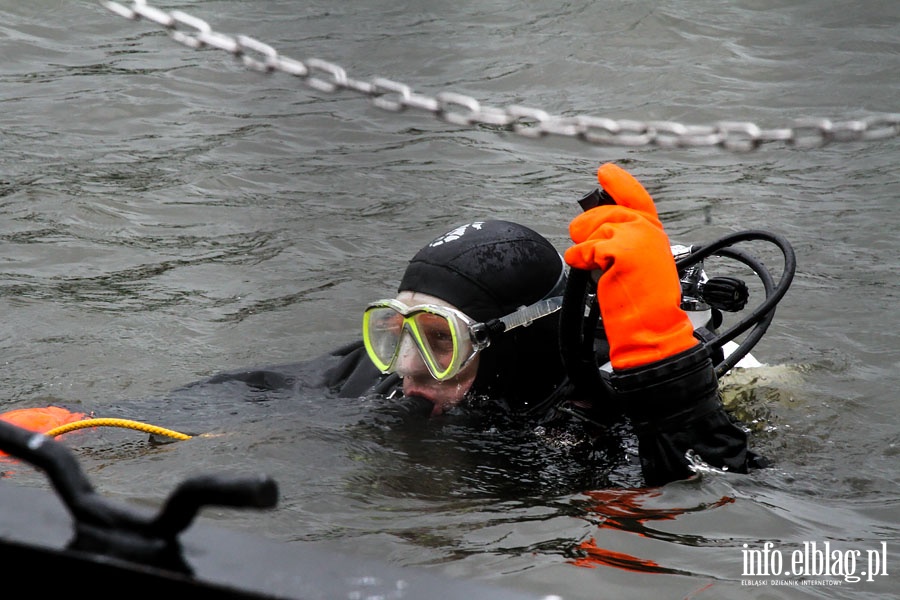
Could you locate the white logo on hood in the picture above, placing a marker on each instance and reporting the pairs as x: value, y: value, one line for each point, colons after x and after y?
x: 455, y: 234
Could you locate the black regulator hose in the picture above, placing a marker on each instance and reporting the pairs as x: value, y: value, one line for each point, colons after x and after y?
x: 578, y: 322
x: 761, y: 326
x: 761, y: 316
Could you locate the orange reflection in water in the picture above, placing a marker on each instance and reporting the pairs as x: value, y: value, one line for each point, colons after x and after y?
x: 624, y: 510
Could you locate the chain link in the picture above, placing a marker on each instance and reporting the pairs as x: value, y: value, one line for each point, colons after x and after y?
x: 460, y: 109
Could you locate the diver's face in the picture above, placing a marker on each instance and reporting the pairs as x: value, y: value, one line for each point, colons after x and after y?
x: 417, y: 381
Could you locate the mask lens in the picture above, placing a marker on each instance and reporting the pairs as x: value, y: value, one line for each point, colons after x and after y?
x: 382, y: 327
x: 438, y: 336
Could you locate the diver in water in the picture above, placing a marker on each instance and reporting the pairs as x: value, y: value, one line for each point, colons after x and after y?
x: 478, y: 322
x: 476, y: 316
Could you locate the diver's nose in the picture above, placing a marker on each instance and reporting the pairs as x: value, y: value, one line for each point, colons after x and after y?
x: 409, y: 361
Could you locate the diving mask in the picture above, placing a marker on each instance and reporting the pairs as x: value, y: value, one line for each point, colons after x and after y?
x: 446, y: 339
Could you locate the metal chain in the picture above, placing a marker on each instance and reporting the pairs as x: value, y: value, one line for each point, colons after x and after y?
x: 460, y: 109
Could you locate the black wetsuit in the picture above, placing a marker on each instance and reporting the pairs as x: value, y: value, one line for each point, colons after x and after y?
x: 604, y: 435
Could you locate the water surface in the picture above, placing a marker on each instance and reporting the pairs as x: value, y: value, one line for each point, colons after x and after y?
x: 168, y: 214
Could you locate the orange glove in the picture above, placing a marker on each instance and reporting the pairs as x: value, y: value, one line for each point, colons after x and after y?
x: 639, y: 290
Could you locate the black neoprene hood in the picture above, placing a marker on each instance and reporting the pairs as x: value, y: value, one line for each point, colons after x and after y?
x: 487, y: 269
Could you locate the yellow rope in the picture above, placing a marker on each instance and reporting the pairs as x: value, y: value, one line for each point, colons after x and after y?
x: 126, y: 423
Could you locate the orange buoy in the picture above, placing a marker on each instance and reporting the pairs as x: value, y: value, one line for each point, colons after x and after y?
x: 41, y: 419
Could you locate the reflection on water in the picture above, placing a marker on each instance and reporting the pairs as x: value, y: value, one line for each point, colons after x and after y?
x: 625, y: 510
x: 167, y: 214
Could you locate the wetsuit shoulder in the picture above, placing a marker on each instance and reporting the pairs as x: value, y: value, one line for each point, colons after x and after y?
x: 345, y: 371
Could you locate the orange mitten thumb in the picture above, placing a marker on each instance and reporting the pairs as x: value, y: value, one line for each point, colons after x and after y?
x: 639, y: 290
